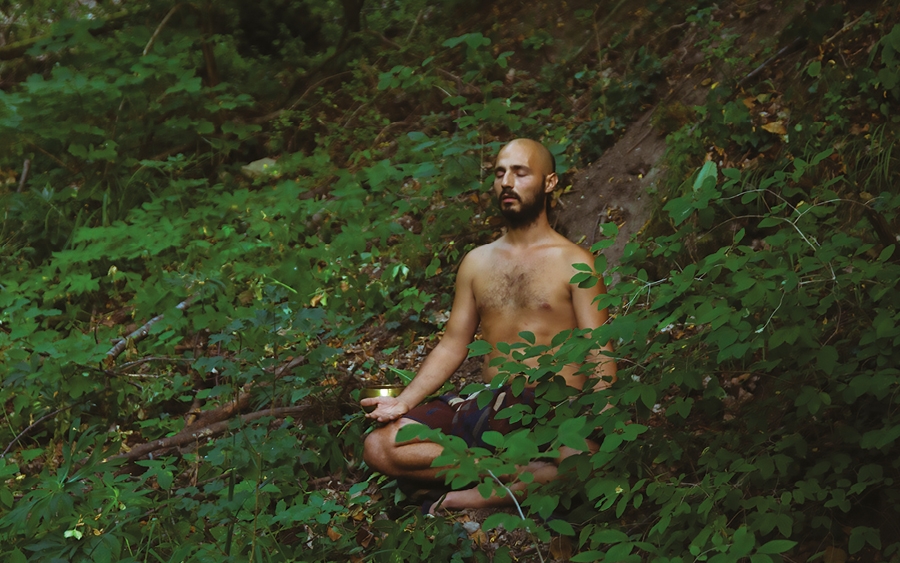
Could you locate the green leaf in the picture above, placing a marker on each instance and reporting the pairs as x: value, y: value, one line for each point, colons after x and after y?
x: 583, y: 279
x: 405, y: 375
x: 679, y: 209
x: 588, y: 557
x: 827, y: 359
x: 814, y: 69
x: 648, y: 395
x: 493, y: 438
x: 572, y: 433
x: 776, y: 546
x: 562, y: 527
x: 742, y: 542
x: 480, y: 348
x: 707, y: 177
x: 860, y: 535
x: 600, y: 264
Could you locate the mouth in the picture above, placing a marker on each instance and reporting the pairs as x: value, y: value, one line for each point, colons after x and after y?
x: 508, y: 198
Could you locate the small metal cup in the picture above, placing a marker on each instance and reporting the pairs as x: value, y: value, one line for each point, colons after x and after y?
x: 380, y: 391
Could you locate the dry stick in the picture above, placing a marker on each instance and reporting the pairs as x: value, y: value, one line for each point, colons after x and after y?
x: 128, y: 365
x: 218, y: 416
x: 192, y: 433
x: 143, y: 331
x: 159, y: 28
x: 25, y: 167
x: 784, y: 50
x: 32, y: 426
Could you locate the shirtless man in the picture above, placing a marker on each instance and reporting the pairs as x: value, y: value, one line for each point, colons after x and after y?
x: 518, y: 283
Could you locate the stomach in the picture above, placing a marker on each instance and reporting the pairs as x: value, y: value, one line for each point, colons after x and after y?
x: 493, y: 367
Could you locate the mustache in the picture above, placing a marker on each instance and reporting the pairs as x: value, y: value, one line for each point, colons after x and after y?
x: 509, y: 193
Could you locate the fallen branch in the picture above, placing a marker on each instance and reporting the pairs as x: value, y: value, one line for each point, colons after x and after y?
x: 159, y: 28
x: 24, y: 178
x: 795, y: 44
x: 34, y: 425
x: 141, y: 333
x: 198, y: 431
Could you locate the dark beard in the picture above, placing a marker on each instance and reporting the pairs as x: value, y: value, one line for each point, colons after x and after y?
x: 527, y: 214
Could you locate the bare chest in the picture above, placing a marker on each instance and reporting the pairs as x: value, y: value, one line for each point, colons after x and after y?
x: 520, y: 287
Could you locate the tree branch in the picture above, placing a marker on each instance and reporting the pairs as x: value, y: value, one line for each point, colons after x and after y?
x: 34, y: 425
x: 142, y: 332
x: 160, y: 27
x: 199, y: 431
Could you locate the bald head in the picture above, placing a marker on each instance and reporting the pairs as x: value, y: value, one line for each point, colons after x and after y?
x: 537, y: 154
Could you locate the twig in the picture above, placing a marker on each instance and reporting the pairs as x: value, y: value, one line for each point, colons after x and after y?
x: 415, y: 25
x: 142, y: 332
x: 796, y: 43
x: 160, y: 27
x: 25, y: 167
x: 842, y: 30
x: 518, y: 507
x: 194, y: 433
x: 128, y: 365
x: 316, y: 85
x: 33, y: 425
x: 167, y: 153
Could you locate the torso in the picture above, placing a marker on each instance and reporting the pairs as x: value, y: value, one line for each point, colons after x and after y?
x: 525, y: 291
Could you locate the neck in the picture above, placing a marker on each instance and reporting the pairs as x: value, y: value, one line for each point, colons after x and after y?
x: 532, y: 233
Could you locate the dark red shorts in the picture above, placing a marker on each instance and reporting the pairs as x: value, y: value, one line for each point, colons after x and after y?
x: 461, y: 417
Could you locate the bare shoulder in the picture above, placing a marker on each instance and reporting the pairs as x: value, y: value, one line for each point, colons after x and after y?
x: 571, y: 253
x: 476, y: 257
x: 473, y: 262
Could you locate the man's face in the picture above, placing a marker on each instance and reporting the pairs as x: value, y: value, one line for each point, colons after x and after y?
x: 522, y: 180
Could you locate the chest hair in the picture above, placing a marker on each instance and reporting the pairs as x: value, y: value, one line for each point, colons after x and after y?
x: 513, y: 288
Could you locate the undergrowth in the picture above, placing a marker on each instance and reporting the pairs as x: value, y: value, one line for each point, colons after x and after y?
x: 755, y: 414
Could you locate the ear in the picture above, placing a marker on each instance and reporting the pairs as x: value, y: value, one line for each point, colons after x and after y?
x: 550, y: 182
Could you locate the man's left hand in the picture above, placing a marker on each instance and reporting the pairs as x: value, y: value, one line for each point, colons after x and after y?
x: 386, y: 408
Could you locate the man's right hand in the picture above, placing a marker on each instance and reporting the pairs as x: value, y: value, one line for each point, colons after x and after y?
x: 386, y: 408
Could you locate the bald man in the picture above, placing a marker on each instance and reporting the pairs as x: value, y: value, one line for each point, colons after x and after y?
x: 518, y: 283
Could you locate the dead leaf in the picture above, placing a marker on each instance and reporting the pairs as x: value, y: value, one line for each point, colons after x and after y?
x: 749, y: 102
x: 561, y: 548
x: 834, y: 555
x: 364, y: 537
x: 333, y: 535
x: 480, y: 538
x: 775, y: 127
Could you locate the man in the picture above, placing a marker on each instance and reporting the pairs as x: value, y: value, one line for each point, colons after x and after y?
x: 518, y: 283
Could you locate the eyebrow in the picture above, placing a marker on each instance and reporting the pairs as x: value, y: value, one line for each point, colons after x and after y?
x: 514, y: 167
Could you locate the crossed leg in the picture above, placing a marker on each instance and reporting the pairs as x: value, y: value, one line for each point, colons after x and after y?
x: 413, y: 459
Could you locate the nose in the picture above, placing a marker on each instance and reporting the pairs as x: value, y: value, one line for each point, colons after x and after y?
x: 507, y: 180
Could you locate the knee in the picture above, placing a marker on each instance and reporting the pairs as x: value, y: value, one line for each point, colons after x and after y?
x: 377, y: 450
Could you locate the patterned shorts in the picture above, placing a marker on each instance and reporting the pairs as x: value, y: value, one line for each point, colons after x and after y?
x: 461, y: 417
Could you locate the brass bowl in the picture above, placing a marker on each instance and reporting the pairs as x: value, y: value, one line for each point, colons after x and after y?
x: 380, y: 391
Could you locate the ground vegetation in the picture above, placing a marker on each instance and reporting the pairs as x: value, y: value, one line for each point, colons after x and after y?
x: 220, y: 221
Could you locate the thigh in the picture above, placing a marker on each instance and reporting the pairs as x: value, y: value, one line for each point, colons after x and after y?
x: 435, y: 414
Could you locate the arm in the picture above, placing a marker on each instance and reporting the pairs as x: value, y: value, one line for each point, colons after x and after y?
x: 587, y: 315
x: 446, y: 357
